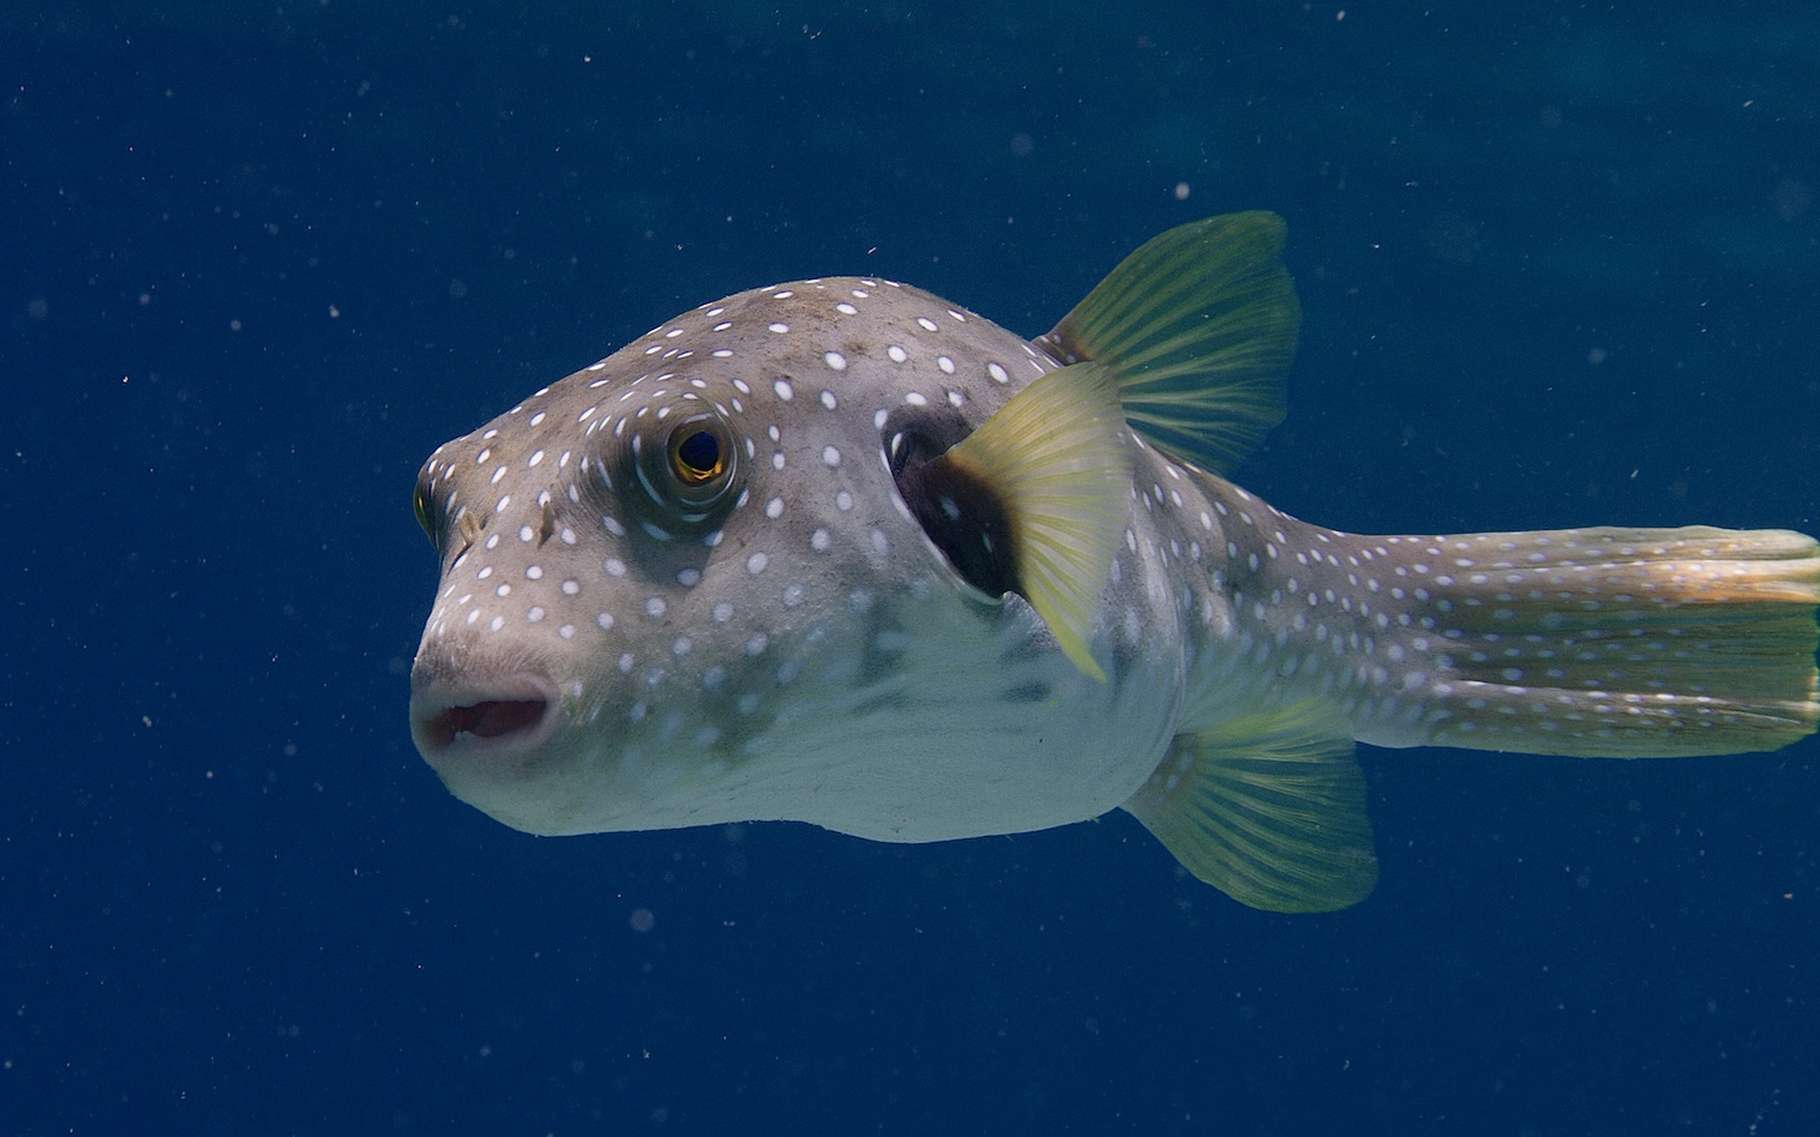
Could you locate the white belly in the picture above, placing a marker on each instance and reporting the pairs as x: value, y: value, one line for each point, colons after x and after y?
x: 996, y: 732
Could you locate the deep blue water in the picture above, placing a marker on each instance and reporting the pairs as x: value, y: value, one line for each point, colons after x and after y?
x: 1558, y: 264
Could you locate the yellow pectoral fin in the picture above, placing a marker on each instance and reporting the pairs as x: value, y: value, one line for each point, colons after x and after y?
x: 1054, y: 457
x: 1269, y: 809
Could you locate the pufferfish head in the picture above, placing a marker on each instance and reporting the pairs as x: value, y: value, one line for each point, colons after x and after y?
x: 680, y: 585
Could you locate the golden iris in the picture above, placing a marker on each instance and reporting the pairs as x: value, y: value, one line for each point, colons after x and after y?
x: 696, y: 456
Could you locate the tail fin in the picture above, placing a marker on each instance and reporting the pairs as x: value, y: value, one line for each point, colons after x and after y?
x: 1613, y: 642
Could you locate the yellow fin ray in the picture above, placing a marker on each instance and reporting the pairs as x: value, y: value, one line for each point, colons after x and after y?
x: 1199, y: 327
x: 1055, y: 456
x: 1269, y: 808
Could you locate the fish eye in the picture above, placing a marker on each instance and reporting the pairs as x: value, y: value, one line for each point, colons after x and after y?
x: 693, y: 470
x: 695, y: 455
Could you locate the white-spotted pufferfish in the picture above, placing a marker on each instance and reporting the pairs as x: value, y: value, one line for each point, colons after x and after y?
x: 840, y: 551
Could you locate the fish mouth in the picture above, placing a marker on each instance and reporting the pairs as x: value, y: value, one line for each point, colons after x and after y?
x: 509, y: 715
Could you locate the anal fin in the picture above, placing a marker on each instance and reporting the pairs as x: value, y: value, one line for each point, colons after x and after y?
x: 1269, y: 808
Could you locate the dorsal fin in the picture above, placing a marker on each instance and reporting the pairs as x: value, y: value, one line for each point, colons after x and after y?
x: 1199, y: 327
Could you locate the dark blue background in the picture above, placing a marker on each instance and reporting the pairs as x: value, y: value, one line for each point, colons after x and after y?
x: 1559, y: 267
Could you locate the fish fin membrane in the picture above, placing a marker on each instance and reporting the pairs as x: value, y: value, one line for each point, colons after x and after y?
x: 1055, y: 457
x: 1627, y: 643
x: 1269, y: 808
x: 1199, y: 327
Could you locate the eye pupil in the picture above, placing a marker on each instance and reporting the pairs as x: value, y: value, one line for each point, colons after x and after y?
x: 697, y: 465
x: 699, y: 453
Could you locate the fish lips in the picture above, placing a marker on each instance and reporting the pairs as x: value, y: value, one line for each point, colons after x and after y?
x: 474, y: 720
